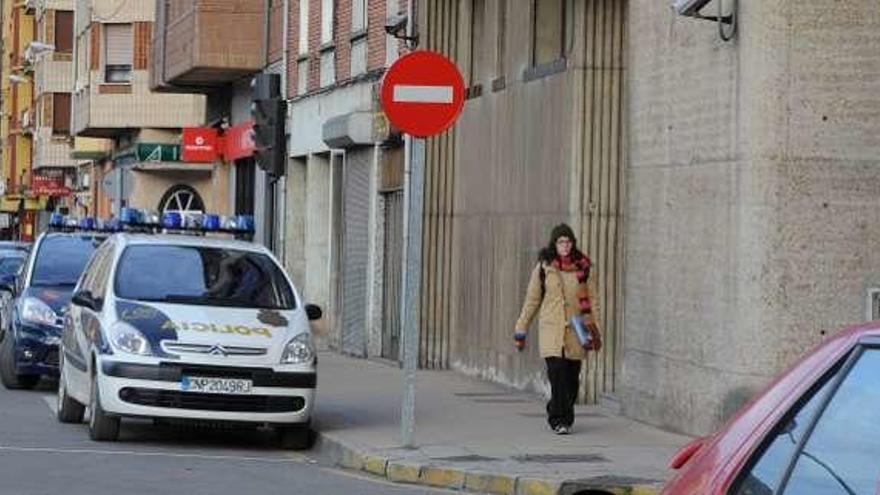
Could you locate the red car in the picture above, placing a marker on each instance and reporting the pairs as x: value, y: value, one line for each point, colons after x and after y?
x: 814, y: 431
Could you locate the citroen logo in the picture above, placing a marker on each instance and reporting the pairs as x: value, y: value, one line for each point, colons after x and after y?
x: 217, y: 350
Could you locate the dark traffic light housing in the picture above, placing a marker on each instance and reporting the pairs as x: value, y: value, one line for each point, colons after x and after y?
x: 269, y: 113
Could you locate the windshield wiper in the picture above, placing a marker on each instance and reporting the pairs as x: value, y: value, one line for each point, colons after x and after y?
x: 202, y: 300
x: 53, y: 284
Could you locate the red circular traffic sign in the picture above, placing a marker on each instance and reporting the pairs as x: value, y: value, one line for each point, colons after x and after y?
x: 422, y: 93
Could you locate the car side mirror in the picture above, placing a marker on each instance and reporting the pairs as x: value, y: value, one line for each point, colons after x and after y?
x: 314, y: 312
x: 85, y: 299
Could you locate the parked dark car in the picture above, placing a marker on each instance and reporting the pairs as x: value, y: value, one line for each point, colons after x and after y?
x: 42, y: 290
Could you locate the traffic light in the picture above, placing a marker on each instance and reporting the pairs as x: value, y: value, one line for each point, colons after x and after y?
x: 269, y: 113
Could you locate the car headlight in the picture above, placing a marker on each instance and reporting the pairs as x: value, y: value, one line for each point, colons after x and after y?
x: 36, y: 311
x: 125, y: 338
x: 299, y: 350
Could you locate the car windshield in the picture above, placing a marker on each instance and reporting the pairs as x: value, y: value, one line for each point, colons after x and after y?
x: 9, y: 265
x: 200, y: 275
x: 62, y: 258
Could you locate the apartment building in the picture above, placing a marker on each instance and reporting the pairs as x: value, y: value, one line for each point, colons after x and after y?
x: 112, y: 99
x: 215, y: 48
x: 20, y: 204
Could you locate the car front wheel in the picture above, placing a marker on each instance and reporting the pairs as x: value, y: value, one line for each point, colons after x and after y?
x: 102, y: 427
x: 8, y: 375
x: 68, y: 409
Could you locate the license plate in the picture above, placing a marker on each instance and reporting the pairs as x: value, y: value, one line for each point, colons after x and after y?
x: 208, y: 385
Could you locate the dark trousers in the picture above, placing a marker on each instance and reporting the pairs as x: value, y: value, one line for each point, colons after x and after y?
x: 564, y: 375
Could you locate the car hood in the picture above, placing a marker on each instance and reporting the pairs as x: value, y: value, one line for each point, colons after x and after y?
x: 211, y: 325
x: 56, y: 298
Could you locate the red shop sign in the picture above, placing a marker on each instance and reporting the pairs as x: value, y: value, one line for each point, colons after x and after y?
x: 48, y: 185
x: 238, y: 142
x: 199, y: 144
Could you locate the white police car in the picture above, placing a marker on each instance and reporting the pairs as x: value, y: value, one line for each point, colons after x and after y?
x: 193, y: 327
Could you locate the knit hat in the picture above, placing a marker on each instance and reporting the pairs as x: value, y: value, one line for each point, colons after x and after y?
x: 562, y: 230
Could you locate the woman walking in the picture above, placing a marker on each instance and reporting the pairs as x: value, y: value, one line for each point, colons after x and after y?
x: 559, y: 293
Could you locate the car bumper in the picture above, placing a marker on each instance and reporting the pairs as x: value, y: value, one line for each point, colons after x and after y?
x: 155, y: 391
x: 36, y: 351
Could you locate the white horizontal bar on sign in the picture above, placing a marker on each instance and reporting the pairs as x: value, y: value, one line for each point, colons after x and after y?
x: 422, y: 94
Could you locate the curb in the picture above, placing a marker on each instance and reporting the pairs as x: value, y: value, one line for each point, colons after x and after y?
x: 414, y: 473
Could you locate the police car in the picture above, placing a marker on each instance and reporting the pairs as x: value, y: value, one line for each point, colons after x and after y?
x: 188, y: 327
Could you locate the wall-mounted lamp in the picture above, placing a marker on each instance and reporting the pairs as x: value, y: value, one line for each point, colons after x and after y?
x: 727, y: 22
x: 16, y: 79
x: 38, y: 47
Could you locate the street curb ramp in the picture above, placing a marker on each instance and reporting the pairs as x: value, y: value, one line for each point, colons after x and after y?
x: 401, y: 470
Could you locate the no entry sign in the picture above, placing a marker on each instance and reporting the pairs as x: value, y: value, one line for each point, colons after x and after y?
x: 422, y: 93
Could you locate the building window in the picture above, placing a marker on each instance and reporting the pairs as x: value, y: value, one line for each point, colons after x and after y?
x: 478, y: 16
x: 182, y: 198
x: 326, y: 21
x: 359, y: 56
x: 548, y: 30
x: 358, y: 15
x: 118, y: 49
x: 328, y: 68
x: 63, y: 31
x: 303, y: 26
x: 302, y: 77
x: 61, y: 114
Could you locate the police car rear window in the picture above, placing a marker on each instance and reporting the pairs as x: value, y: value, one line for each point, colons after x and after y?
x: 200, y: 275
x: 61, y: 259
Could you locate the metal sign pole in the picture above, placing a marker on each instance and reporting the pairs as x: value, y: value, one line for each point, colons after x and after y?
x: 414, y: 181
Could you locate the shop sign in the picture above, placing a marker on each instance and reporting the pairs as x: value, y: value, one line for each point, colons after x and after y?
x: 238, y: 142
x: 199, y: 144
x: 49, y: 183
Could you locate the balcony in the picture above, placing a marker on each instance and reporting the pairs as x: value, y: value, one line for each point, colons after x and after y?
x: 202, y: 44
x: 103, y: 110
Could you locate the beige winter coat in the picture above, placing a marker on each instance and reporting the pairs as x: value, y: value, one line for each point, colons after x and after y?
x: 559, y: 304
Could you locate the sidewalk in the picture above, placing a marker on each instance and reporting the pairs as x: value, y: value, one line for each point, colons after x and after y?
x: 477, y: 436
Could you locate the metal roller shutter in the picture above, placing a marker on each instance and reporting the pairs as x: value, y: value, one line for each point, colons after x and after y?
x: 355, y: 247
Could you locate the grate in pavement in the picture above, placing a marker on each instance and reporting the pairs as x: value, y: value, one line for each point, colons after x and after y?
x: 501, y: 401
x: 482, y: 394
x: 465, y: 458
x: 560, y: 458
x: 577, y: 415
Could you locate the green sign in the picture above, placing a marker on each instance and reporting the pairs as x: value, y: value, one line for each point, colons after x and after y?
x: 155, y: 152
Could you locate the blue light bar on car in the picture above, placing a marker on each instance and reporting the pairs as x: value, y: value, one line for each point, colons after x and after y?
x: 211, y: 222
x: 87, y: 223
x: 131, y: 216
x: 172, y: 220
x: 146, y: 222
x: 56, y: 220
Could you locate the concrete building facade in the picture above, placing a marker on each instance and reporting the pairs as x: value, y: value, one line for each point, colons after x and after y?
x: 753, y: 201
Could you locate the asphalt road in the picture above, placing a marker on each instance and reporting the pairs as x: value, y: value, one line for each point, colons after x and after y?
x: 39, y: 455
